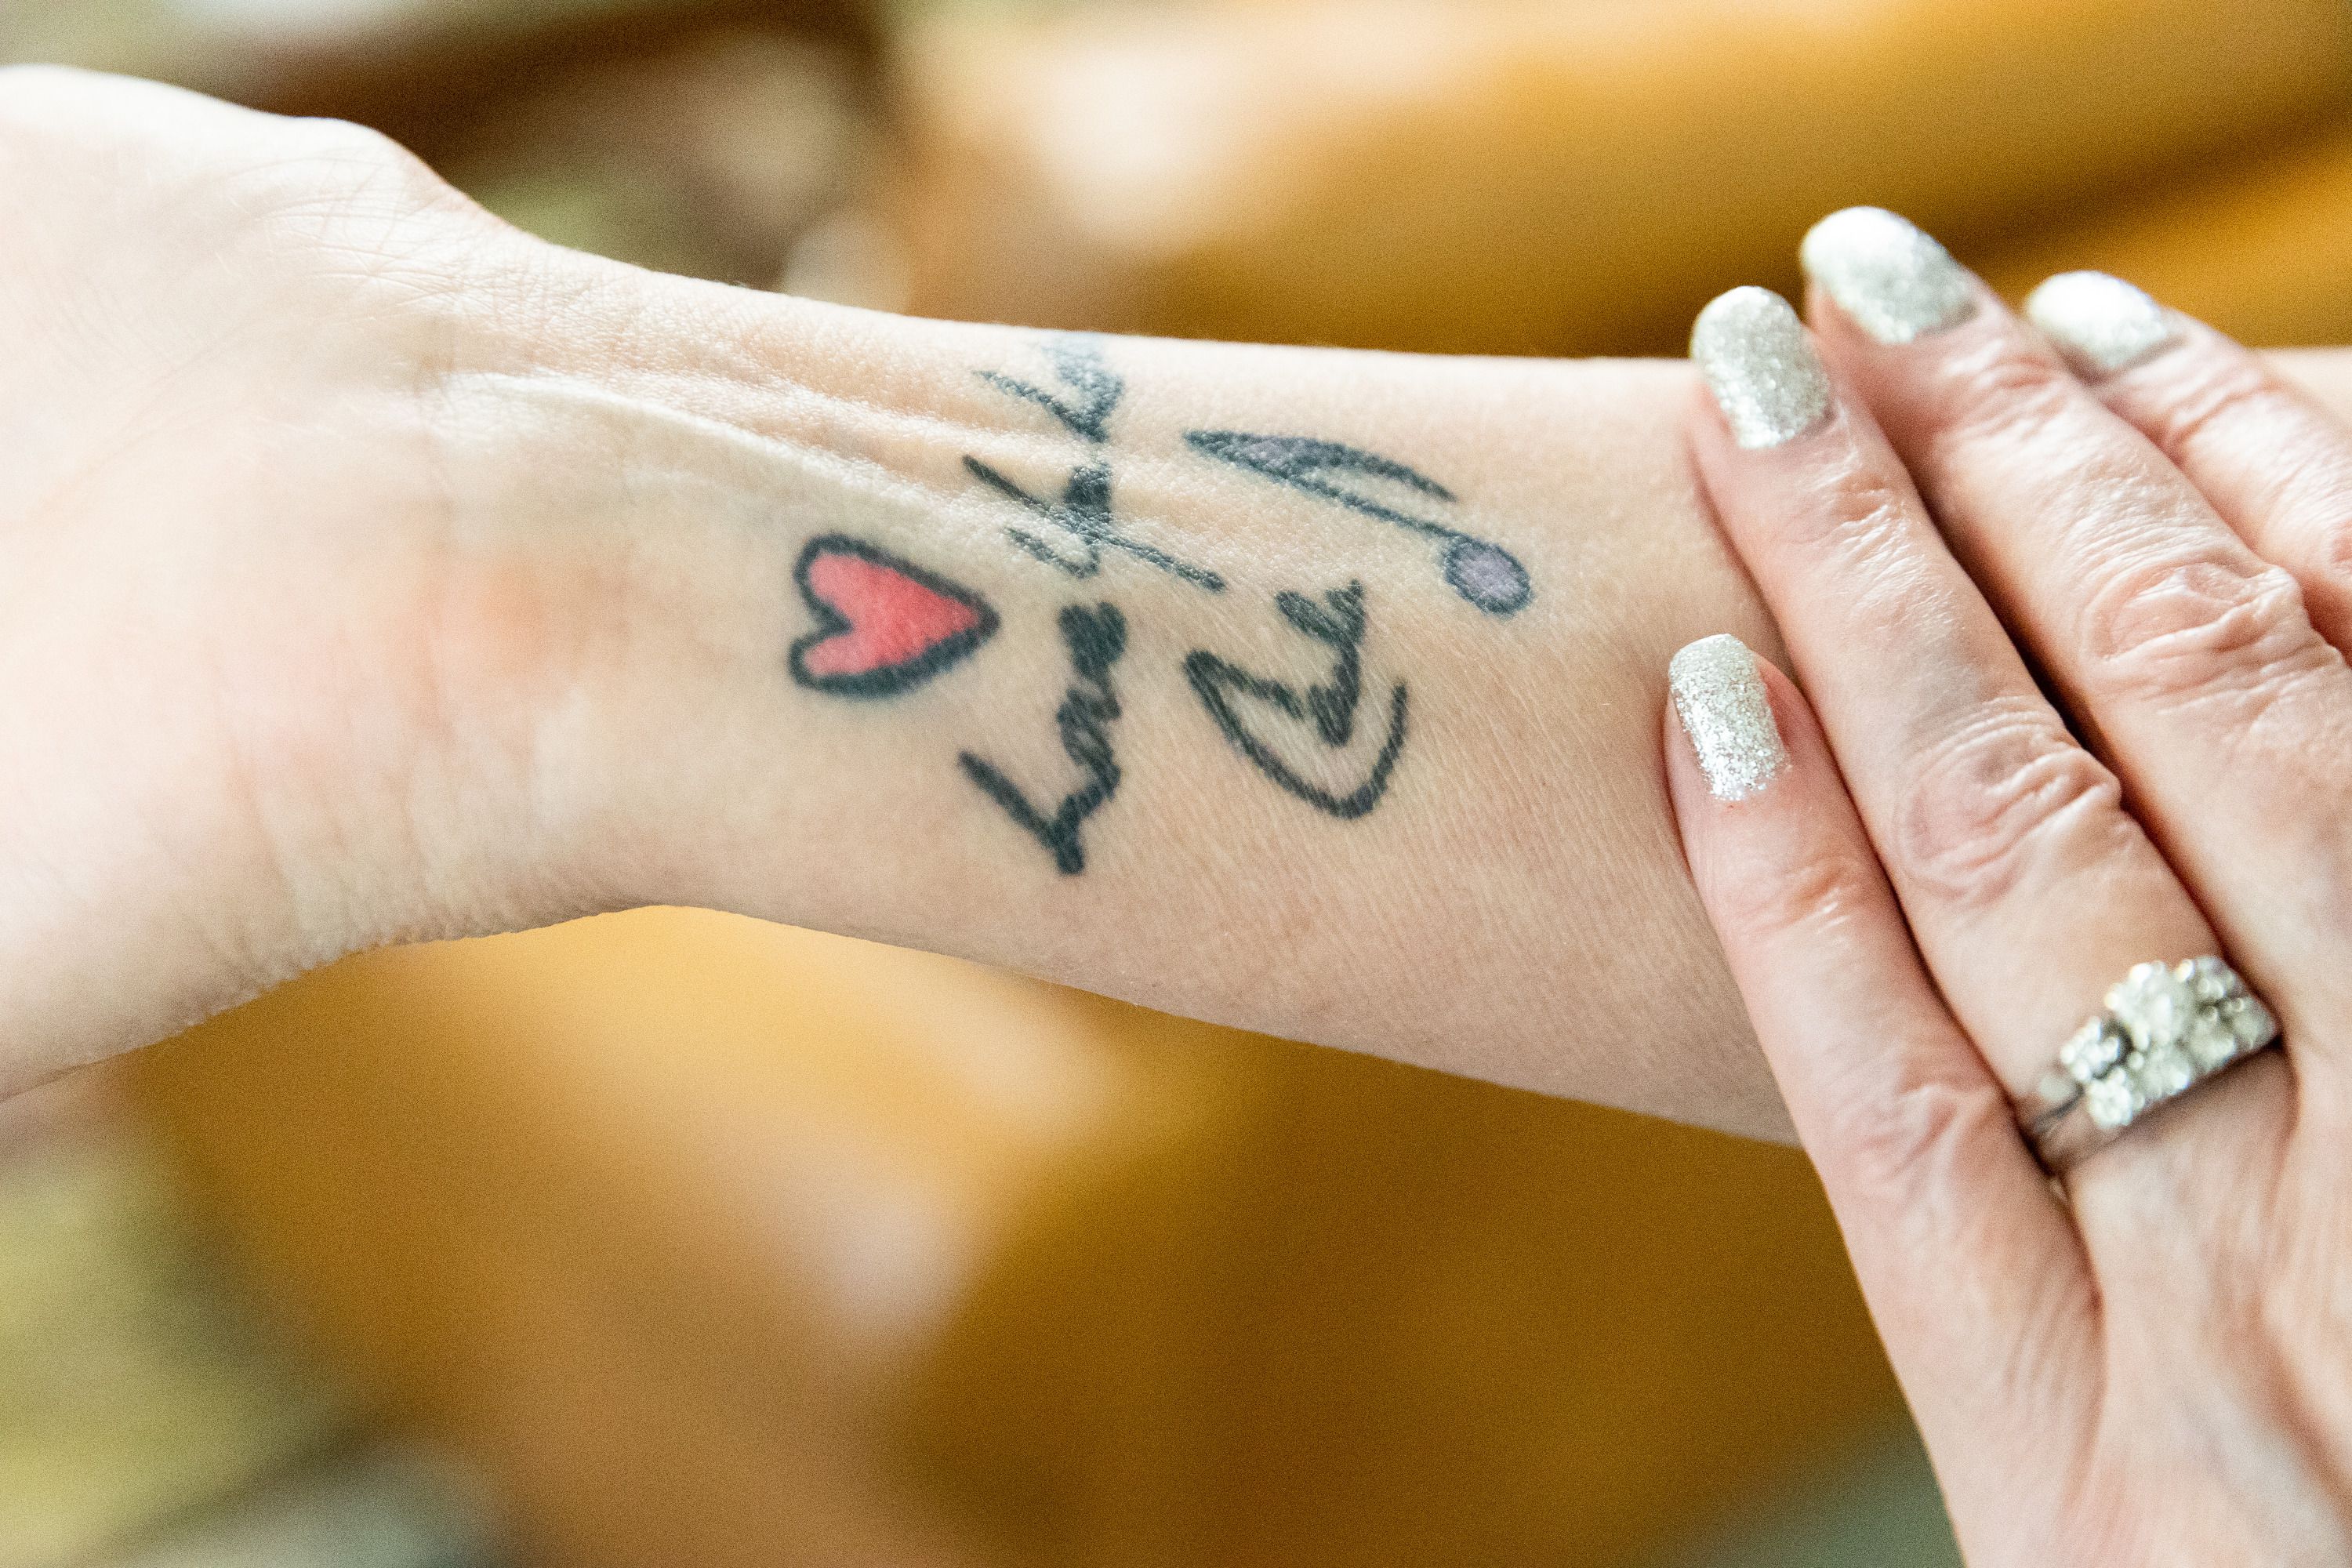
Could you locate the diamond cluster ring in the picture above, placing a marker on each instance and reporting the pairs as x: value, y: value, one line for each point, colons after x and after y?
x: 2166, y: 1029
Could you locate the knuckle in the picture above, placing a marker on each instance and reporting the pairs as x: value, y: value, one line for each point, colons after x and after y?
x: 1853, y: 506
x: 2199, y: 626
x: 336, y: 159
x: 1914, y: 1139
x: 361, y: 147
x: 1903, y: 598
x: 1998, y: 393
x: 2304, y: 495
x: 1862, y: 529
x: 2332, y: 549
x: 1805, y: 901
x: 1990, y: 796
x: 2213, y: 401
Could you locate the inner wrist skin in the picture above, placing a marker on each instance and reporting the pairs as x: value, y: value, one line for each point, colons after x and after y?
x: 1511, y: 905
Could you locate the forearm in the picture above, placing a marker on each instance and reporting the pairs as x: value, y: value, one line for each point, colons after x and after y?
x: 1504, y: 898
x: 392, y: 576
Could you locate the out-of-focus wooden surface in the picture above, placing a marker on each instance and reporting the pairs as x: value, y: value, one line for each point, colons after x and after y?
x: 423, y: 71
x: 1564, y: 177
x: 729, y: 1244
x: 2262, y: 249
x: 151, y: 1415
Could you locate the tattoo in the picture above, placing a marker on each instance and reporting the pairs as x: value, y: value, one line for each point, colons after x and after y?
x: 1092, y: 394
x: 1096, y: 638
x: 1338, y: 623
x: 1081, y: 368
x: 1084, y: 513
x: 1484, y: 575
x: 884, y: 624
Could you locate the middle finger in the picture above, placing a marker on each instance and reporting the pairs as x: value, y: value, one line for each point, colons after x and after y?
x: 2188, y: 658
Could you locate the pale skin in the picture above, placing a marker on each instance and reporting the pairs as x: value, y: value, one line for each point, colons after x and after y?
x: 374, y: 572
x: 2148, y: 1362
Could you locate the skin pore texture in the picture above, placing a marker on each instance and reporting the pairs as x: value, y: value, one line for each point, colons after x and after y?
x: 374, y: 572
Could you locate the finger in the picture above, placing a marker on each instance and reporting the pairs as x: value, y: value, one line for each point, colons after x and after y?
x: 2275, y: 465
x: 2184, y: 653
x: 2029, y: 888
x: 1971, y: 1268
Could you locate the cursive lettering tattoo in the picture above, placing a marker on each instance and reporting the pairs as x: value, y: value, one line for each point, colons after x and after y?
x: 1089, y: 392
x: 1084, y: 513
x: 1484, y: 574
x: 1096, y: 639
x: 1095, y: 389
x: 884, y: 624
x: 1329, y: 706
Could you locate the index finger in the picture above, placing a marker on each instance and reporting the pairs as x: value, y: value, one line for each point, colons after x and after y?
x: 1971, y: 1266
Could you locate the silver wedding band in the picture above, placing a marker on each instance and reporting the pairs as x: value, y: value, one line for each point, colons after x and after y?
x: 2166, y: 1029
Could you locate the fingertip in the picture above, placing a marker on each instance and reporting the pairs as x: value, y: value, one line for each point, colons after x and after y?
x: 1767, y: 382
x: 1888, y: 275
x: 1756, y: 792
x: 1726, y: 712
x: 2099, y: 324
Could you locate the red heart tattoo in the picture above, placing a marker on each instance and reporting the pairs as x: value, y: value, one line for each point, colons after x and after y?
x: 884, y: 624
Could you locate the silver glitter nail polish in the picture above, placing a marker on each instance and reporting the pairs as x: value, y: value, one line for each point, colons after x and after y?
x: 1721, y: 702
x: 1760, y: 366
x: 1894, y: 280
x: 2101, y: 324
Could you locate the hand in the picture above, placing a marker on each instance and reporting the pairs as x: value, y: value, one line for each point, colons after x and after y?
x: 1925, y: 890
x: 233, y: 591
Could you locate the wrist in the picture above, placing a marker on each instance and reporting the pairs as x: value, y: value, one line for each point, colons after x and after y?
x: 395, y: 575
x: 1525, y: 855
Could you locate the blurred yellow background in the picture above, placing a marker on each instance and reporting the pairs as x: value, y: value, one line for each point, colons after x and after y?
x: 671, y: 1238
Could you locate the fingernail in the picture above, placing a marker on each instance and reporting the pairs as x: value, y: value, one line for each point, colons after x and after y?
x: 2100, y: 324
x: 1760, y: 366
x: 1720, y: 700
x: 1891, y: 277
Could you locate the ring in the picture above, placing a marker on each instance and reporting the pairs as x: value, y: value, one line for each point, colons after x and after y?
x: 2166, y: 1029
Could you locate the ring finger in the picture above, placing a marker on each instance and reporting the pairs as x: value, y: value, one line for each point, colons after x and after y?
x: 2275, y: 465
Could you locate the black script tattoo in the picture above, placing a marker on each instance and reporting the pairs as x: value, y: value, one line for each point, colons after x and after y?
x: 1484, y: 575
x: 1339, y: 624
x: 1096, y: 638
x: 1091, y: 393
x: 1080, y: 367
x: 1084, y: 513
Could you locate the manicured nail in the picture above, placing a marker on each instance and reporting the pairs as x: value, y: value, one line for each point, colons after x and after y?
x: 2101, y: 324
x: 1760, y: 366
x: 1892, y: 278
x: 1720, y: 700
